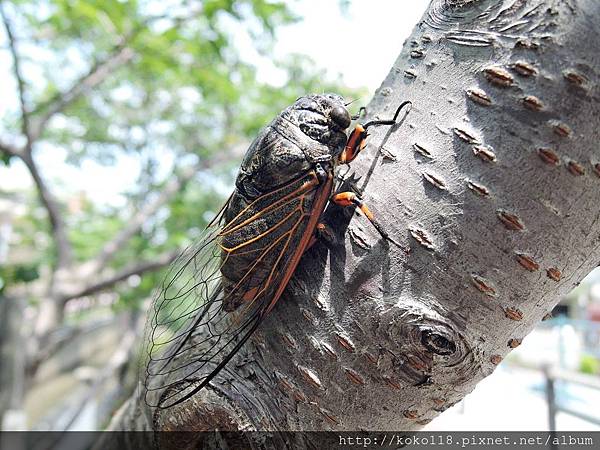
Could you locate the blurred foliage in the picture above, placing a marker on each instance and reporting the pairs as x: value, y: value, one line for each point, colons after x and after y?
x: 589, y: 364
x: 182, y: 94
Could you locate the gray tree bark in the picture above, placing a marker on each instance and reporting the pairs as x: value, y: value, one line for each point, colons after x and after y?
x: 493, y: 182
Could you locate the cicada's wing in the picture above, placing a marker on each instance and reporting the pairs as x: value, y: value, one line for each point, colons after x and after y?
x: 219, y: 290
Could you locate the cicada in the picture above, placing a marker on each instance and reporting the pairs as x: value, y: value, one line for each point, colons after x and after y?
x: 217, y: 292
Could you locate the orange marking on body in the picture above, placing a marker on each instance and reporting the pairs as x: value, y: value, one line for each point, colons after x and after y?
x: 306, y: 186
x: 344, y: 198
x: 318, y: 206
x: 249, y: 295
x: 354, y: 145
x: 349, y: 199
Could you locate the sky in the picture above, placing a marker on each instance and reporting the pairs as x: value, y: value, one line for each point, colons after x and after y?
x: 360, y: 43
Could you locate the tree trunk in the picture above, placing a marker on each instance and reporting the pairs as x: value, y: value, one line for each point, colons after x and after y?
x: 492, y: 180
x: 12, y: 415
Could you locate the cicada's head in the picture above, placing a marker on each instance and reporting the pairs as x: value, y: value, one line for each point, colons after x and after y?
x: 323, y: 118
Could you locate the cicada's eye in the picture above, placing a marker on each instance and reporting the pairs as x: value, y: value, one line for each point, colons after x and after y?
x: 341, y: 117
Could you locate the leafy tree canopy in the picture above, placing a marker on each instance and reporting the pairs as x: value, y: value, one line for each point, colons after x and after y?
x: 163, y: 82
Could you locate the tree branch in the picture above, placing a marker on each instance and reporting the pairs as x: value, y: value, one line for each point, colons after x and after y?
x: 492, y: 181
x: 135, y: 223
x: 135, y: 269
x: 169, y: 190
x: 63, y: 246
x: 97, y: 73
x: 18, y: 75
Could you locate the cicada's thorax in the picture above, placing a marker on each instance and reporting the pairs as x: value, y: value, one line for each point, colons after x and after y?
x: 276, y: 187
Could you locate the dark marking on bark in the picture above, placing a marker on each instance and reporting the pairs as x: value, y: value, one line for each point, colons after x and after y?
x: 284, y: 384
x: 309, y: 316
x: 525, y: 69
x: 327, y: 349
x: 299, y: 396
x: 560, y: 128
x: 437, y: 343
x: 596, y: 168
x: 478, y: 189
x: 510, y: 221
x: 528, y: 262
x: 422, y: 150
x: 465, y: 135
x: 527, y: 44
x: 484, y: 152
x: 496, y: 359
x: 434, y: 180
x: 548, y: 156
x: 258, y: 338
x: 417, y: 53
x: 329, y: 416
x: 423, y: 421
x: 553, y: 273
x: 357, y: 239
x: 547, y: 316
x: 354, y: 376
x: 310, y: 376
x: 427, y: 380
x: 469, y: 40
x: 421, y: 237
x: 513, y: 313
x: 417, y: 363
x: 371, y: 358
x: 387, y: 154
x: 498, y: 76
x: 441, y: 129
x: 288, y: 340
x: 514, y: 343
x: 345, y: 342
x: 575, y: 168
x: 392, y: 383
x: 479, y: 96
x: 438, y: 401
x: 426, y: 39
x: 319, y: 302
x: 410, y: 74
x: 483, y: 285
x: 411, y: 414
x: 532, y: 103
x: 574, y: 77
x: 442, y: 408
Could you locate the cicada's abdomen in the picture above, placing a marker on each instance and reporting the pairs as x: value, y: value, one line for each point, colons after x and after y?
x: 257, y: 243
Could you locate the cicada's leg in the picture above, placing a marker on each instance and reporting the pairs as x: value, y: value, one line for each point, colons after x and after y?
x: 322, y: 232
x: 358, y: 138
x: 351, y: 199
x: 356, y: 142
x: 346, y: 199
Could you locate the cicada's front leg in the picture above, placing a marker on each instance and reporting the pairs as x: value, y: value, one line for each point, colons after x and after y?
x: 346, y: 199
x: 354, y: 145
x: 358, y: 137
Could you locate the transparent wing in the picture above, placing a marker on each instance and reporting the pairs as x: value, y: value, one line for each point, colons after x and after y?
x: 218, y: 291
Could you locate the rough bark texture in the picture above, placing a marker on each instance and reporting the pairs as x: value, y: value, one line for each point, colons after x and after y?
x: 492, y: 180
